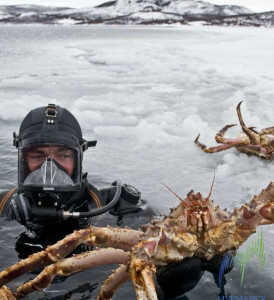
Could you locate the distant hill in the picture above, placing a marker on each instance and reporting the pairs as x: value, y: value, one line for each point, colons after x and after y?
x: 138, y: 12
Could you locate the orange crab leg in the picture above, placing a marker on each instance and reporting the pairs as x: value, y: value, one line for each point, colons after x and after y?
x: 142, y: 273
x: 72, y: 265
x: 211, y: 149
x: 268, y: 130
x: 122, y: 238
x: 250, y: 132
x: 6, y: 294
x: 256, y: 150
x: 219, y: 137
x: 113, y: 282
x: 260, y: 211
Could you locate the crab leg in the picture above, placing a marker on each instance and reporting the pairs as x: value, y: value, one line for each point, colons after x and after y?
x: 113, y: 282
x: 268, y: 130
x: 72, y: 265
x: 227, y: 142
x: 260, y: 211
x: 160, y: 245
x: 250, y: 132
x: 108, y: 237
x: 261, y: 207
x: 142, y: 273
x: 268, y: 138
x: 263, y: 152
x: 156, y: 248
x: 6, y: 294
x: 140, y: 263
x: 211, y: 149
x: 219, y: 137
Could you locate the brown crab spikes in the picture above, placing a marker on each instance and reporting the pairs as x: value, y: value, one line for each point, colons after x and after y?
x: 198, y: 229
x: 250, y: 141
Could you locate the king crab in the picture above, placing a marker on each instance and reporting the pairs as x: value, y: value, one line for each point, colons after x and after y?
x: 249, y: 141
x: 194, y: 227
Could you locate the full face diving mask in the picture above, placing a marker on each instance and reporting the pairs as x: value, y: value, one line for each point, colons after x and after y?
x: 49, y: 168
x: 49, y: 175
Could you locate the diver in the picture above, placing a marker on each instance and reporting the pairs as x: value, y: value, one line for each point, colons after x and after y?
x: 54, y: 197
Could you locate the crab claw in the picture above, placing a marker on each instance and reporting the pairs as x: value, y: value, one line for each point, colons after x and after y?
x: 220, y: 135
x: 200, y: 145
x: 196, y: 140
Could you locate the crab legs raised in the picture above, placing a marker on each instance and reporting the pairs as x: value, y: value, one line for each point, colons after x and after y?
x: 249, y: 141
x: 194, y: 227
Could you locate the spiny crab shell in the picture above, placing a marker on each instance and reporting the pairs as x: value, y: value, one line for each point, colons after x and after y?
x: 194, y: 227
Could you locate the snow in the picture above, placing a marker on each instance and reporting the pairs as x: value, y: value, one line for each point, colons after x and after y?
x: 28, y: 14
x: 4, y: 15
x: 68, y: 21
x: 134, y: 11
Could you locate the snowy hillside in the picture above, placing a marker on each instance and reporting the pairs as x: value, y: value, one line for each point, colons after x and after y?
x: 138, y: 12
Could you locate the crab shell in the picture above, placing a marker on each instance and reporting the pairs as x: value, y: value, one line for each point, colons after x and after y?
x: 165, y: 240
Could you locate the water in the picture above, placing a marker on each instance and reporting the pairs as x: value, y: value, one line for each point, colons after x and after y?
x: 145, y: 93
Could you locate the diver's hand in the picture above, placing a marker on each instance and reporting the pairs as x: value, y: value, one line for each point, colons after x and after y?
x: 176, y: 279
x: 214, y: 264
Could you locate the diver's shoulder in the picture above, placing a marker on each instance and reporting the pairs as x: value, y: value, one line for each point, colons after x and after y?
x: 5, y: 197
x: 130, y: 202
x: 7, y: 193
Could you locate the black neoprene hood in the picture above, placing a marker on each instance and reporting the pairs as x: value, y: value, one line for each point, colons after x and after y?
x: 51, y: 124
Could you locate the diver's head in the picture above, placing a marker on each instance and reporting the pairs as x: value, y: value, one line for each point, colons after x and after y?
x: 50, y: 150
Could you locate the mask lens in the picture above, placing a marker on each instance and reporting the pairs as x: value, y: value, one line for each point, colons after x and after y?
x: 49, y: 175
x: 50, y: 165
x: 35, y: 157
